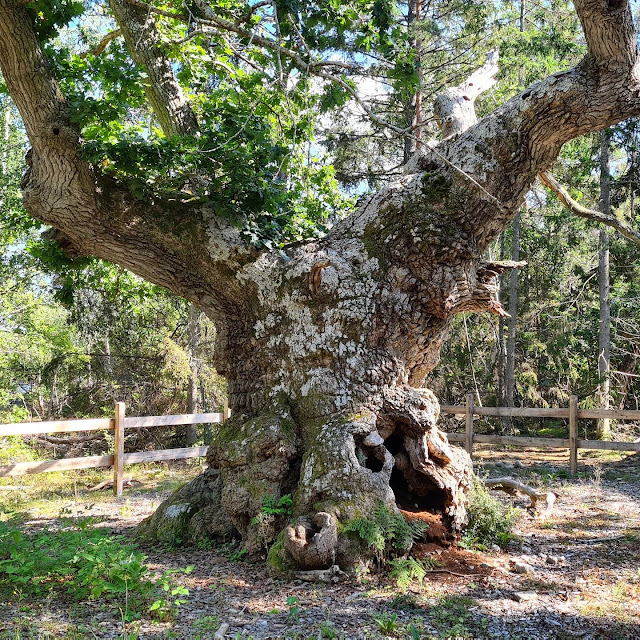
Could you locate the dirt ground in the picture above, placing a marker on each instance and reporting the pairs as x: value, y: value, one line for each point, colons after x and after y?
x: 572, y: 574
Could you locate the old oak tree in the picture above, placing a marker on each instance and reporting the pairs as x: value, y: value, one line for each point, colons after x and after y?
x: 325, y: 342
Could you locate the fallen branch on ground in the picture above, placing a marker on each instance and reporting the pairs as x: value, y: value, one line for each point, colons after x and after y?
x: 126, y: 481
x: 332, y: 574
x: 513, y: 487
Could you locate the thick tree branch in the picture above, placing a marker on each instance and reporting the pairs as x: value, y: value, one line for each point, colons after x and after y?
x: 454, y: 108
x: 608, y: 29
x: 165, y: 95
x: 506, y: 150
x: 96, y: 216
x: 590, y: 214
x: 103, y: 44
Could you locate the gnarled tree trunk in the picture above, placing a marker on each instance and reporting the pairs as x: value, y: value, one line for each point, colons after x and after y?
x: 325, y: 350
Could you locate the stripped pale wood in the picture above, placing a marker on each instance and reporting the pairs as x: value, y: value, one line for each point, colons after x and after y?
x: 605, y: 445
x: 518, y: 441
x: 546, y: 443
x: 60, y: 426
x: 45, y: 466
x: 118, y: 449
x: 613, y: 414
x: 554, y: 412
x: 504, y: 412
x: 166, y: 421
x: 573, y: 434
x: 468, y: 443
x: 165, y: 454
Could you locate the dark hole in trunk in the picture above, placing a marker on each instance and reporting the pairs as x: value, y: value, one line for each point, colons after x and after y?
x: 394, y: 443
x: 427, y: 508
x: 373, y: 463
x: 430, y: 498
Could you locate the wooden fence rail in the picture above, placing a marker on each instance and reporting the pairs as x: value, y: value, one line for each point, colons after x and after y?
x: 118, y: 459
x: 120, y: 423
x: 573, y: 413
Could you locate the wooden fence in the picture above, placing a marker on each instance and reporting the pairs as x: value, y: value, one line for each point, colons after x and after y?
x: 118, y: 458
x: 573, y: 413
x: 120, y: 422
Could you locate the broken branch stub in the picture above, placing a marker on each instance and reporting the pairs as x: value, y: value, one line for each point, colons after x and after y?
x: 454, y: 108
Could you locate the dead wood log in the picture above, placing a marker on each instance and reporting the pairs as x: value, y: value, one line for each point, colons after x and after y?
x: 332, y: 574
x: 127, y: 481
x: 513, y: 487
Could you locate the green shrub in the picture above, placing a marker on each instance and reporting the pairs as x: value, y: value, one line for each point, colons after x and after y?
x: 490, y: 521
x: 15, y: 449
x: 83, y: 563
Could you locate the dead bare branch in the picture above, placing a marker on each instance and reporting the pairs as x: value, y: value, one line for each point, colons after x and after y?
x: 513, y: 487
x: 590, y: 214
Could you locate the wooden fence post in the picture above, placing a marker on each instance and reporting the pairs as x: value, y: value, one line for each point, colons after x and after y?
x: 469, y: 424
x: 573, y: 435
x: 118, y: 449
x: 226, y: 413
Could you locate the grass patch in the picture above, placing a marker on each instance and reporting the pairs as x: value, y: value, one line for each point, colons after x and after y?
x: 82, y: 563
x: 451, y: 616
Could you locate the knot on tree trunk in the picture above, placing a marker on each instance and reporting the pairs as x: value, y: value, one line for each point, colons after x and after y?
x: 313, y: 543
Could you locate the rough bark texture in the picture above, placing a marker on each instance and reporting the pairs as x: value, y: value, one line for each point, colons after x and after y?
x: 163, y: 91
x: 325, y: 352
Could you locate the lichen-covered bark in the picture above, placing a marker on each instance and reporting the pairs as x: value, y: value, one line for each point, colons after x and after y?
x: 325, y: 350
x: 191, y: 514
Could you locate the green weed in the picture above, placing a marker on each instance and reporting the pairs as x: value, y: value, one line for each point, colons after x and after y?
x: 281, y: 507
x: 294, y: 609
x: 83, y: 563
x: 386, y: 622
x: 451, y: 616
x: 490, y: 521
x: 174, y: 595
x: 327, y: 630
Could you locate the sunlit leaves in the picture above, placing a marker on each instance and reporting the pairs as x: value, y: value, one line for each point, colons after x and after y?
x: 50, y: 15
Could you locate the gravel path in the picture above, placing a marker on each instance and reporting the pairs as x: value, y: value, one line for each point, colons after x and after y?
x: 573, y: 574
